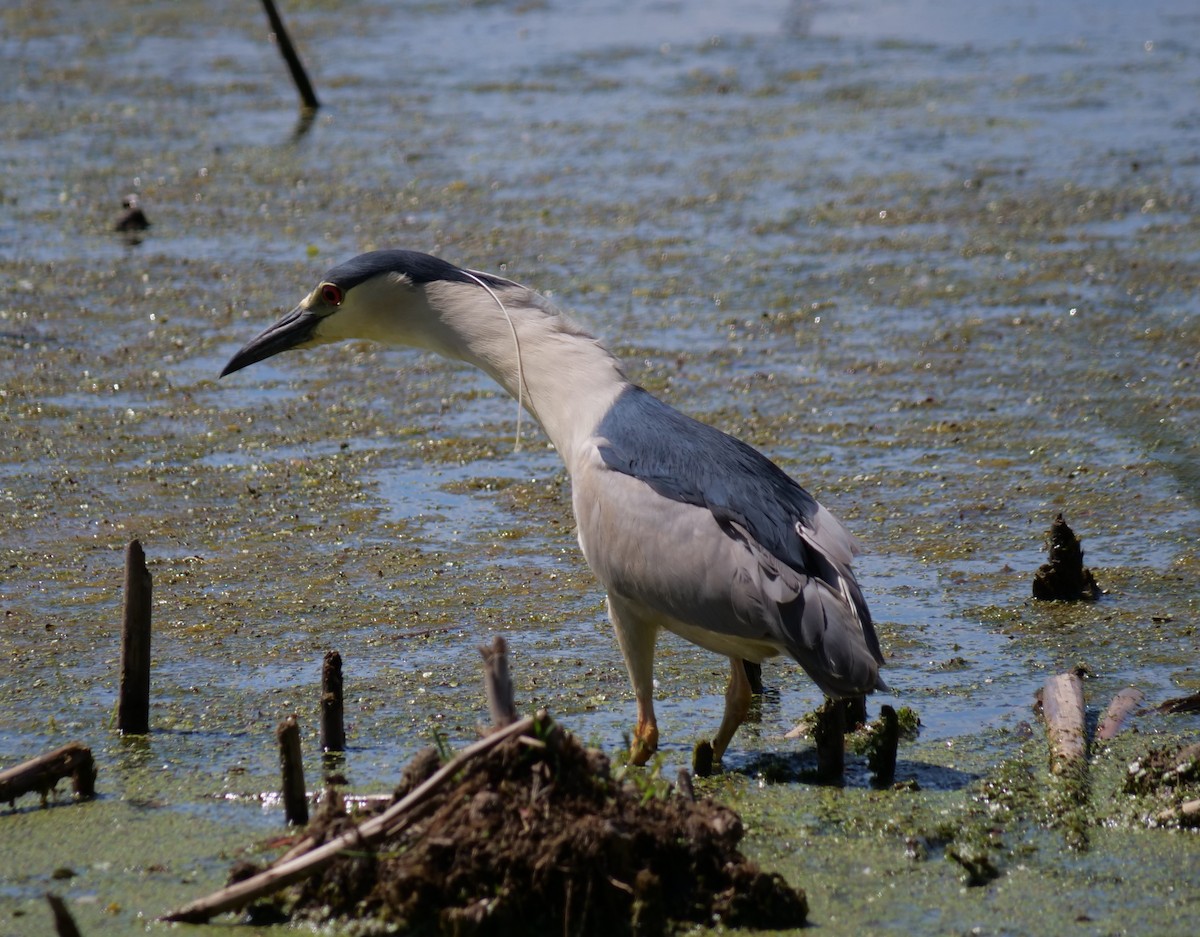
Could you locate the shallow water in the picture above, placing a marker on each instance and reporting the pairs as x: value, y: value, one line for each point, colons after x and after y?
x: 944, y: 269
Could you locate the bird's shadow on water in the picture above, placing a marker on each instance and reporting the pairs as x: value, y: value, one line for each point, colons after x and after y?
x: 800, y: 767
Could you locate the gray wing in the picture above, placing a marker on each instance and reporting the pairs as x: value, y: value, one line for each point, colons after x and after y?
x: 800, y: 576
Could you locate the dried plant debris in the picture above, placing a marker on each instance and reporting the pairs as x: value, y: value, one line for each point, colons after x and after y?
x: 1167, y: 781
x: 1064, y: 577
x: 1159, y: 768
x: 1181, y: 704
x: 541, y: 838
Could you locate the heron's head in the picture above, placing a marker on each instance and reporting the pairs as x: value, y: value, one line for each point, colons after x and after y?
x: 380, y: 295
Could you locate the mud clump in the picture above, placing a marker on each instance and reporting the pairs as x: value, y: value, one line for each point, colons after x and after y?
x: 1064, y: 578
x: 1159, y: 768
x: 539, y: 837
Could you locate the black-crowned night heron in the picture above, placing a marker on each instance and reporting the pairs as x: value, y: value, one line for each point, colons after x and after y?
x: 688, y: 528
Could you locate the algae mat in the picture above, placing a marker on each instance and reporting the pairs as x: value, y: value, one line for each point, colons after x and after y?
x: 945, y: 272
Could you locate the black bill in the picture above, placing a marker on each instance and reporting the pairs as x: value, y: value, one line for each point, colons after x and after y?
x: 294, y: 329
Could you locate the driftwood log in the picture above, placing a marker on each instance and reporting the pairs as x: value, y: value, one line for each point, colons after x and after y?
x: 1181, y: 704
x: 1062, y: 708
x: 1118, y: 710
x: 41, y: 774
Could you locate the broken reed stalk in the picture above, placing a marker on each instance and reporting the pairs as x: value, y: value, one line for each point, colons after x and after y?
x: 41, y: 774
x: 333, y: 729
x: 1062, y: 708
x: 308, y: 97
x: 133, y: 701
x: 367, y: 833
x: 291, y: 762
x: 497, y: 683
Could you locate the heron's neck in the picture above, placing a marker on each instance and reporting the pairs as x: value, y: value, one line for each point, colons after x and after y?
x: 569, y: 379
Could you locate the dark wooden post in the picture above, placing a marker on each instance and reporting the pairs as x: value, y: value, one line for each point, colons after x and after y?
x: 133, y: 705
x: 291, y: 761
x: 308, y: 97
x: 333, y: 730
x: 881, y: 757
x: 829, y: 734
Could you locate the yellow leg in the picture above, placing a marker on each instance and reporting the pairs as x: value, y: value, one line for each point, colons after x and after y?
x: 737, y: 705
x: 637, y: 634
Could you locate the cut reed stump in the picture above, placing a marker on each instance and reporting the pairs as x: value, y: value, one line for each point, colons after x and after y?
x: 882, y: 748
x: 43, y: 773
x: 333, y: 729
x: 133, y: 701
x: 291, y: 762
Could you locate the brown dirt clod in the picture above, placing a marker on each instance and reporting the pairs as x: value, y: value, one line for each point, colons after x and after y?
x: 542, y: 839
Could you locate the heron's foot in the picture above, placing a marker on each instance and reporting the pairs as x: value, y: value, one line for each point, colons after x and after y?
x: 703, y: 760
x: 645, y: 744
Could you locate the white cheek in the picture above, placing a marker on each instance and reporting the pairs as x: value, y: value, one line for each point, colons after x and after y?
x: 348, y: 321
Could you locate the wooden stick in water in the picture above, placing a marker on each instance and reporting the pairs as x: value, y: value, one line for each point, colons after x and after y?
x: 291, y: 761
x: 133, y: 701
x: 333, y: 729
x: 308, y: 97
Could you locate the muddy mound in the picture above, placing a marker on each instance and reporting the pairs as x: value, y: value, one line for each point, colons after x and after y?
x: 1063, y: 577
x: 540, y: 838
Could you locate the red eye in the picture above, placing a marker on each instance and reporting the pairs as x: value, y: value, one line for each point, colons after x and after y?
x: 331, y: 294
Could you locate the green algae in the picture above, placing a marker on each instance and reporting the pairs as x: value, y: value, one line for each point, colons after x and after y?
x: 947, y: 349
